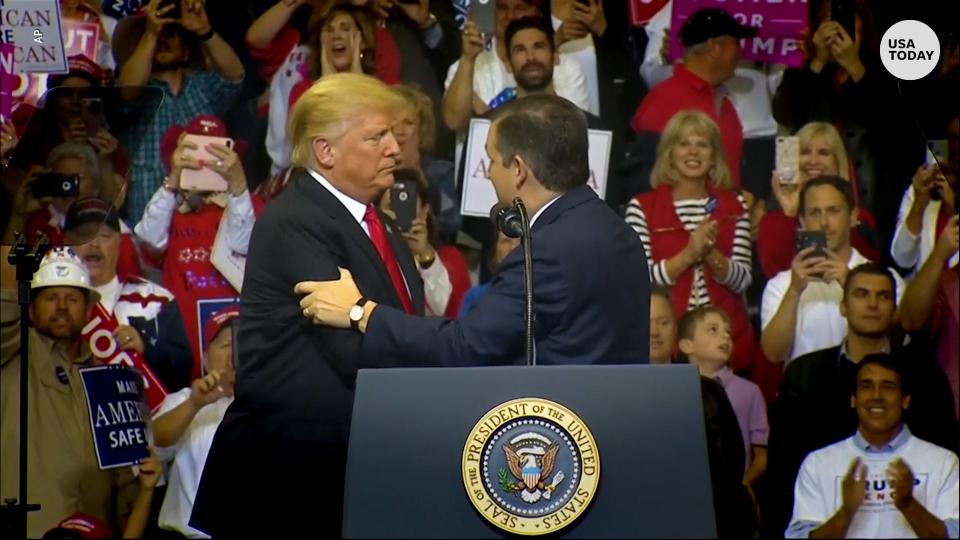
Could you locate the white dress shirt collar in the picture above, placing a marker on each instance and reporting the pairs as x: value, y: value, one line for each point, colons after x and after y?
x: 356, y: 208
x: 109, y: 293
x: 542, y: 210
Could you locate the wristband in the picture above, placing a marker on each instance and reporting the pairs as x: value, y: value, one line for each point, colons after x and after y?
x: 207, y: 35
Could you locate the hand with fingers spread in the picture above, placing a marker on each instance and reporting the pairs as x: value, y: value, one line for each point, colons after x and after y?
x: 329, y: 302
x: 854, y: 487
x: 180, y: 160
x: 821, y: 55
x: 471, y: 41
x: 156, y: 16
x: 229, y: 166
x: 804, y: 269
x: 900, y: 479
x: 924, y: 182
x: 206, y: 390
x: 24, y: 203
x: 591, y: 15
x: 129, y: 339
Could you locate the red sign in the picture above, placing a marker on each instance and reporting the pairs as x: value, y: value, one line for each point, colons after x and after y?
x: 641, y: 11
x: 7, y: 80
x: 99, y: 334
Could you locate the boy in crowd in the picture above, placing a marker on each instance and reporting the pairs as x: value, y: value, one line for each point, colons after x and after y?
x: 706, y: 341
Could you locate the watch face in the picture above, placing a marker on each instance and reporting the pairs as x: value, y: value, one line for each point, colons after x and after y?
x: 356, y: 313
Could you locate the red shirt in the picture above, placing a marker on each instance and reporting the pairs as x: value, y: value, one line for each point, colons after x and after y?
x: 685, y: 90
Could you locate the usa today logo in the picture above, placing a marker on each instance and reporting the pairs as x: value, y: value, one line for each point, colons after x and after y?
x: 910, y: 50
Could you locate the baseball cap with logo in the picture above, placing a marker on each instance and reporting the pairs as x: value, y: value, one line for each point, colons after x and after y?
x: 91, y: 210
x: 79, y: 66
x: 711, y: 23
x: 217, y: 321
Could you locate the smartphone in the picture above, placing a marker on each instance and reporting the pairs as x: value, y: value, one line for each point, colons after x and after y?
x: 174, y: 13
x: 203, y: 179
x: 814, y: 239
x: 403, y: 202
x: 91, y: 111
x: 788, y: 159
x: 842, y: 11
x: 55, y: 185
x: 484, y: 13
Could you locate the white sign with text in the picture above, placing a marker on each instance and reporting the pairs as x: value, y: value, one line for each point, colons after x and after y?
x: 33, y: 27
x: 479, y: 196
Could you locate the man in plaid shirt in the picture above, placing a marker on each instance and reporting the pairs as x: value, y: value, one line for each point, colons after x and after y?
x: 155, y: 50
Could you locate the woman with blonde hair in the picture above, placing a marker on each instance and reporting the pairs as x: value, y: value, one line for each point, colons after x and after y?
x: 695, y: 227
x: 822, y: 152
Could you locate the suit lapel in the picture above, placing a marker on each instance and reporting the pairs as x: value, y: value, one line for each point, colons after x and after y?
x: 351, y: 230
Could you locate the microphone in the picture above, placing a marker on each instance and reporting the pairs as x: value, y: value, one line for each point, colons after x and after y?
x: 507, y: 219
x: 513, y: 221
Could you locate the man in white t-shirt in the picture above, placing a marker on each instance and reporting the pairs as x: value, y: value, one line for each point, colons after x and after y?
x: 480, y: 81
x: 800, y: 309
x: 882, y: 482
x: 187, y: 420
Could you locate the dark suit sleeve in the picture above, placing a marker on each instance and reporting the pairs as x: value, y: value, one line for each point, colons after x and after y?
x: 491, y: 333
x: 285, y: 251
x: 170, y: 355
x: 786, y: 451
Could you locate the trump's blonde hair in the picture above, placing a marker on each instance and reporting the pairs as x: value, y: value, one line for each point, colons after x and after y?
x: 329, y: 107
x: 810, y: 130
x: 678, y: 128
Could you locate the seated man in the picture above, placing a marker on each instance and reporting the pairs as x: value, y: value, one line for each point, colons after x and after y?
x: 812, y: 408
x: 882, y: 482
x: 147, y: 315
x: 800, y: 310
x: 187, y: 420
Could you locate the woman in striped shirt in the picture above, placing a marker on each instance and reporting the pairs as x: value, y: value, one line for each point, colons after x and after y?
x: 695, y: 228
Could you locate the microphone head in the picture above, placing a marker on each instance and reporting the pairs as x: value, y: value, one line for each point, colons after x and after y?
x: 507, y: 220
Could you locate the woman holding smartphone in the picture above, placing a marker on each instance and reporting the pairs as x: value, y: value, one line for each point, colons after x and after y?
x: 695, y: 227
x: 821, y: 153
x: 179, y: 227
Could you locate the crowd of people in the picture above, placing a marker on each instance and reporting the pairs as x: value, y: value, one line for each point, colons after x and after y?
x: 830, y: 373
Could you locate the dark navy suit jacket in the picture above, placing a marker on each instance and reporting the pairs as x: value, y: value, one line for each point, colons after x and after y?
x: 591, y: 300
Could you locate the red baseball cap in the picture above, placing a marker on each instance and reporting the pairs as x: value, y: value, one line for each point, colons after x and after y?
x: 79, y: 66
x: 217, y: 321
x: 85, y: 525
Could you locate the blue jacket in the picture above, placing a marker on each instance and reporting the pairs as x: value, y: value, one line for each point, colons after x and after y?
x: 591, y: 300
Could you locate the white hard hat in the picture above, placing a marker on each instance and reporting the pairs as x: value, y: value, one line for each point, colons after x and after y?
x: 61, y: 267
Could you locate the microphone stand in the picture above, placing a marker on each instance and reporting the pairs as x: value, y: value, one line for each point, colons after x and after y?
x: 14, y: 511
x: 526, y: 242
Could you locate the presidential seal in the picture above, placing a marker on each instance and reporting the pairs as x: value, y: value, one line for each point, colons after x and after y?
x: 530, y: 466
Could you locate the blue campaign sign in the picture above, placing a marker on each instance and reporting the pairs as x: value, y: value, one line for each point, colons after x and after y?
x: 118, y: 414
x: 122, y: 8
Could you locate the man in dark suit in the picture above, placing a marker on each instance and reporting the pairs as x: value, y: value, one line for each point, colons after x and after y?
x: 276, y: 465
x: 591, y: 283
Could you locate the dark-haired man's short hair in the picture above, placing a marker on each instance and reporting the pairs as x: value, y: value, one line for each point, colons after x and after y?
x: 528, y: 23
x: 687, y: 325
x: 886, y: 361
x: 870, y: 269
x: 836, y: 182
x: 550, y: 133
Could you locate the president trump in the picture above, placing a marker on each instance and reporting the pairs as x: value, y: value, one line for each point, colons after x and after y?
x: 590, y: 275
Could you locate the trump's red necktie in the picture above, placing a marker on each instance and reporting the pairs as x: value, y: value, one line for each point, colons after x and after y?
x: 378, y: 235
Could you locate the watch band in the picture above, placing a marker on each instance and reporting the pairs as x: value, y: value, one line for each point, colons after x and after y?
x: 360, y: 303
